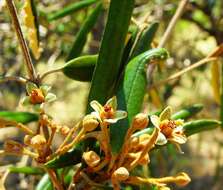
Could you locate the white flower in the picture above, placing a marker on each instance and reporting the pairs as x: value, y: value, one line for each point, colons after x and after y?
x: 38, y: 95
x: 107, y: 113
x: 170, y: 130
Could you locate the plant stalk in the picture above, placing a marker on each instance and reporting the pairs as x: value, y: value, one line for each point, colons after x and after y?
x: 28, y: 61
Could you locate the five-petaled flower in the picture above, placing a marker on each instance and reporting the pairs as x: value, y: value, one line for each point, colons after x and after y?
x: 107, y: 113
x: 170, y: 130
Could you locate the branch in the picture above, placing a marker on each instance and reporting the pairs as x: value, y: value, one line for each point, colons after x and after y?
x: 13, y: 78
x: 172, y: 23
x: 22, y: 42
x: 167, y: 33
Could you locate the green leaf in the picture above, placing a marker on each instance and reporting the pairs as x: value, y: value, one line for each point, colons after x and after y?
x: 131, y: 93
x: 190, y: 128
x: 72, y: 157
x: 26, y: 170
x: 76, y: 6
x: 20, y: 117
x: 198, y: 126
x: 81, y: 36
x: 81, y: 68
x: 145, y: 40
x: 188, y: 112
x: 44, y: 183
x: 111, y: 50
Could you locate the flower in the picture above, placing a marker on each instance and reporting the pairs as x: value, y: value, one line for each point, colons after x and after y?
x: 107, y: 113
x: 170, y: 130
x: 38, y: 95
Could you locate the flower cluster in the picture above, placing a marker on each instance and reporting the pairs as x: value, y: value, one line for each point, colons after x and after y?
x: 102, y: 166
x: 135, y: 150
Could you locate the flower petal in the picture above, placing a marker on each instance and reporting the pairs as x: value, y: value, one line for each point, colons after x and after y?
x: 30, y: 86
x: 111, y: 120
x: 161, y: 140
x: 119, y: 114
x: 50, y: 97
x: 112, y: 102
x: 96, y: 106
x: 155, y: 120
x: 26, y: 101
x: 45, y: 89
x: 166, y: 113
x: 97, y: 115
x: 178, y: 138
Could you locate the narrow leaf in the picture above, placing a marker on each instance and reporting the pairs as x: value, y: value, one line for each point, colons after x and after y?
x: 26, y: 170
x: 69, y: 9
x: 131, y: 93
x: 81, y: 68
x: 81, y: 36
x: 19, y: 117
x: 110, y: 54
x: 145, y: 40
x: 198, y: 126
x: 72, y: 157
x: 44, y: 183
x: 187, y: 112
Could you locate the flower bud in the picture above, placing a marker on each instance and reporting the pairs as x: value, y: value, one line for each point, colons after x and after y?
x: 134, y: 142
x: 143, y: 139
x: 13, y: 147
x: 90, y: 123
x: 182, y: 179
x: 91, y: 158
x: 121, y: 174
x: 64, y: 130
x: 38, y: 141
x: 27, y: 140
x: 140, y: 121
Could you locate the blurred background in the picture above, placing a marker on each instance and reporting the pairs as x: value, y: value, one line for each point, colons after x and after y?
x: 196, y: 34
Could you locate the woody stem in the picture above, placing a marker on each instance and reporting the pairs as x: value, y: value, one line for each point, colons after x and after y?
x: 22, y: 42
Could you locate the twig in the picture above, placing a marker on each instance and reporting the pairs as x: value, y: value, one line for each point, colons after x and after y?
x: 54, y: 179
x: 12, y: 78
x: 172, y: 23
x: 50, y: 72
x: 179, y: 74
x: 167, y: 33
x: 22, y: 42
